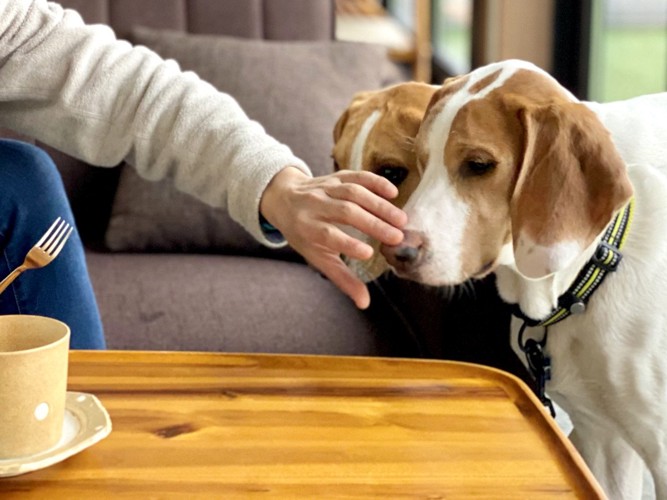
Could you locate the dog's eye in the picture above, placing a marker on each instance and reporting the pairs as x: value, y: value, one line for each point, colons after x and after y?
x: 395, y: 175
x: 479, y: 167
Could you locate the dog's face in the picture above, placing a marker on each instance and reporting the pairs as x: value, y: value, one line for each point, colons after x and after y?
x: 376, y: 133
x: 516, y: 172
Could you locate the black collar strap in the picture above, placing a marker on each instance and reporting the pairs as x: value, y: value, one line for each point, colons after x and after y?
x: 605, y: 260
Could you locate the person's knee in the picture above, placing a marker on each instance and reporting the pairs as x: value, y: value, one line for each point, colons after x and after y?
x: 26, y: 168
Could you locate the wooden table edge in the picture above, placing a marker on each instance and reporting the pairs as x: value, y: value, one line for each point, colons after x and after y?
x: 516, y: 389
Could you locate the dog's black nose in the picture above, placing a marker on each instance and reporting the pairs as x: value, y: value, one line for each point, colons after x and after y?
x: 406, y: 254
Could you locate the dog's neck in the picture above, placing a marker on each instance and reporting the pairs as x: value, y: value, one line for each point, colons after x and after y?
x: 537, y: 298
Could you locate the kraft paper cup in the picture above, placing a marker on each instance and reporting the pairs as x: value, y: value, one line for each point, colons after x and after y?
x: 33, y: 383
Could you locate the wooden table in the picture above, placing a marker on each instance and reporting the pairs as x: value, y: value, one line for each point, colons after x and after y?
x: 263, y: 426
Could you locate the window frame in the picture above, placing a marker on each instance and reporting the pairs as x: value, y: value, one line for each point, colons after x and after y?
x: 572, y: 45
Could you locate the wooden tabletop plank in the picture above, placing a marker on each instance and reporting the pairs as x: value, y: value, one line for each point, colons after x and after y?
x: 245, y: 426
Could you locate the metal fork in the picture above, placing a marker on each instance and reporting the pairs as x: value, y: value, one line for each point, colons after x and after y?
x: 44, y: 251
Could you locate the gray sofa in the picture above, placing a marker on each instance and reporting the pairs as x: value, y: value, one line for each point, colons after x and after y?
x: 172, y: 274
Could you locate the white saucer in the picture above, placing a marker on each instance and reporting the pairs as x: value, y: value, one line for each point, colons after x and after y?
x: 86, y: 422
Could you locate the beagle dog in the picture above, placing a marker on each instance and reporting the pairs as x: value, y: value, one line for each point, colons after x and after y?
x: 566, y: 202
x: 376, y: 133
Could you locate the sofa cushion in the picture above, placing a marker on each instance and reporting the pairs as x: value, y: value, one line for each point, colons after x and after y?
x: 296, y: 90
x: 230, y: 304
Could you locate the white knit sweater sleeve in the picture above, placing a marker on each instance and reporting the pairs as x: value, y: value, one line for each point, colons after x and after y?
x: 79, y: 89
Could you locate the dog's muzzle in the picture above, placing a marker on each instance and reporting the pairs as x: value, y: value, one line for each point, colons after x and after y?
x: 405, y: 257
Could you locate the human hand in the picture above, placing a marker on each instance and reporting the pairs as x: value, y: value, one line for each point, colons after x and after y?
x: 308, y: 212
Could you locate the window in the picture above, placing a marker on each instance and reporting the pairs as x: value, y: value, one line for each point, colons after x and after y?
x: 452, y: 35
x: 415, y: 16
x: 450, y: 23
x: 603, y: 50
x: 628, y: 49
x: 403, y: 10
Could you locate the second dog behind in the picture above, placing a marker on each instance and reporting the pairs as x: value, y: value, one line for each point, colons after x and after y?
x: 376, y: 133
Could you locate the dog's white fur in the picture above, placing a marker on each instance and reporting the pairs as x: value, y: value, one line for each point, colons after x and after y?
x: 610, y: 363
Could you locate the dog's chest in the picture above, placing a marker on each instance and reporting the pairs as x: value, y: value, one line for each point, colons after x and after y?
x: 614, y: 353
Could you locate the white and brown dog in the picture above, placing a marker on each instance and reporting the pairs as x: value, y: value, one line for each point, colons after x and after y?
x: 550, y: 193
x: 376, y: 133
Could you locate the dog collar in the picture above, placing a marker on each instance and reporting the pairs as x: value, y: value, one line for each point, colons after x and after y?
x: 605, y: 260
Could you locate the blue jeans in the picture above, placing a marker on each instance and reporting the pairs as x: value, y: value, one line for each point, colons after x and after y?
x: 32, y: 196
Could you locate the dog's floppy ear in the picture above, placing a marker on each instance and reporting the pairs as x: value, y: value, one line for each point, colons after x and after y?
x: 357, y: 100
x: 340, y: 125
x: 349, y: 118
x: 437, y: 95
x: 450, y: 86
x: 570, y: 184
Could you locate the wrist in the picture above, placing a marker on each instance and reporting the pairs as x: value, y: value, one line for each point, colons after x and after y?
x: 271, y: 232
x: 273, y: 196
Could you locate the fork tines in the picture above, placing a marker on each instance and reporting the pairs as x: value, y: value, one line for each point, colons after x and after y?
x: 55, y: 238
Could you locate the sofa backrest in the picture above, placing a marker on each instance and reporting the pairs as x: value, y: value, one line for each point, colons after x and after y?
x: 267, y: 19
x: 91, y: 190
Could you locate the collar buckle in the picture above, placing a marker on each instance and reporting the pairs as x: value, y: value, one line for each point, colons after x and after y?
x: 607, y: 257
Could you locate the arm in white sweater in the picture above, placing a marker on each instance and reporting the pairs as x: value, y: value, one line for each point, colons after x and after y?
x: 79, y: 89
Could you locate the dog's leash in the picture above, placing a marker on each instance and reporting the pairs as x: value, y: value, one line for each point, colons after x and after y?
x: 605, y: 260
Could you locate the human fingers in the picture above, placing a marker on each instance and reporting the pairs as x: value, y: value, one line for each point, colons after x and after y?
x: 350, y: 213
x: 373, y: 182
x: 369, y: 201
x: 330, y: 239
x: 339, y: 274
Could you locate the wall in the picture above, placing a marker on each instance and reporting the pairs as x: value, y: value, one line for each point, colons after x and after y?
x: 514, y: 29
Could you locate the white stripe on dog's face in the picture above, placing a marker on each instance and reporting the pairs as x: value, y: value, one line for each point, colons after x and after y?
x: 357, y: 155
x: 435, y: 210
x: 357, y: 163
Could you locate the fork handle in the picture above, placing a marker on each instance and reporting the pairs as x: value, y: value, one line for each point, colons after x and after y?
x: 11, y: 277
